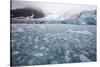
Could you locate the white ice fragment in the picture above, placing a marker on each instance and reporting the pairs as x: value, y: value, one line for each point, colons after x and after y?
x: 54, y: 38
x: 22, y: 60
x: 57, y: 34
x: 69, y: 30
x: 83, y: 32
x: 47, y: 34
x: 67, y: 52
x: 64, y: 38
x: 80, y: 32
x: 54, y: 62
x: 92, y: 51
x: 75, y: 55
x: 20, y: 30
x: 30, y: 37
x: 67, y: 58
x: 42, y: 27
x: 38, y: 54
x: 84, y: 52
x: 31, y: 62
x: 13, y: 40
x: 46, y: 39
x: 83, y: 58
x: 16, y: 52
x: 78, y: 40
x: 19, y: 58
x: 36, y: 46
x: 47, y: 49
x: 36, y: 39
x: 42, y: 48
x: 53, y: 35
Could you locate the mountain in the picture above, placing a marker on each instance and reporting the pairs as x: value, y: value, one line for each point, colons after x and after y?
x: 27, y: 12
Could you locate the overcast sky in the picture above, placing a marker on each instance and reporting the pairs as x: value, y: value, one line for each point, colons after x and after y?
x: 53, y: 8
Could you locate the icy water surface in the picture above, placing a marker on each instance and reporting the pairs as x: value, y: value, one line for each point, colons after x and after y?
x: 34, y: 44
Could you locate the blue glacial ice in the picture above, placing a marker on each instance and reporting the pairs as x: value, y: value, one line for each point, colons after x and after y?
x: 33, y: 44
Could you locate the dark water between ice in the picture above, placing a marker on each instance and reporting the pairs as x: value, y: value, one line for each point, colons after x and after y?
x: 34, y: 44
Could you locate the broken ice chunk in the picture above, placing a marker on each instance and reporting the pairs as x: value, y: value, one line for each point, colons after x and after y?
x: 38, y: 54
x: 42, y: 27
x: 36, y: 46
x: 16, y: 52
x: 31, y: 62
x: 42, y: 48
x: 67, y: 58
x: 54, y: 62
x: 36, y: 39
x: 19, y: 58
x: 83, y: 58
x: 85, y: 52
x: 20, y: 30
x: 46, y: 39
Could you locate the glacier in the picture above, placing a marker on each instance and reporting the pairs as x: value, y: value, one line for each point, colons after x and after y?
x: 82, y: 18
